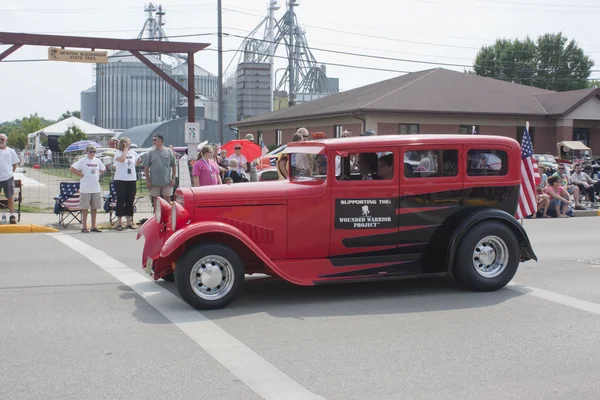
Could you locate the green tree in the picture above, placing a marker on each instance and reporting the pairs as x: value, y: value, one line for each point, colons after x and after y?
x: 595, y: 83
x: 552, y: 62
x: 17, y: 139
x: 72, y: 135
x: 69, y: 114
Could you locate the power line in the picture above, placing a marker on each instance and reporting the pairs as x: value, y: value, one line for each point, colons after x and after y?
x: 391, y: 58
x: 379, y: 37
x: 95, y: 9
x: 321, y: 63
x: 570, y: 10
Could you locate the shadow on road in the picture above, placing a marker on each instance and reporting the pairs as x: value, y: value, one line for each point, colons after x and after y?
x: 281, y: 299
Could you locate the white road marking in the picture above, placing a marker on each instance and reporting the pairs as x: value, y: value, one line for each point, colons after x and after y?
x: 257, y: 373
x: 557, y: 298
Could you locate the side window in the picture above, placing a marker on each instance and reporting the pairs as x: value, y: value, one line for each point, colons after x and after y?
x: 430, y: 163
x: 486, y: 162
x: 355, y: 166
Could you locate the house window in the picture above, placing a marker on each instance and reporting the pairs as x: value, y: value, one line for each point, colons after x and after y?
x: 582, y: 135
x: 486, y: 162
x: 430, y: 163
x: 338, y: 129
x: 521, y: 131
x: 259, y: 137
x: 408, y: 129
x: 468, y: 129
x: 278, y: 135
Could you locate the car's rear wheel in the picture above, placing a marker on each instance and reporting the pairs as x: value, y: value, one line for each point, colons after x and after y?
x: 209, y: 276
x: 487, y: 257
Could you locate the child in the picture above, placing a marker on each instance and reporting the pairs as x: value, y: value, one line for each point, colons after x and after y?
x: 89, y: 169
x: 228, y: 181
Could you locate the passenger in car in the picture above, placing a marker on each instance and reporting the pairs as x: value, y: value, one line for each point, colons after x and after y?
x: 367, y: 166
x: 385, y: 167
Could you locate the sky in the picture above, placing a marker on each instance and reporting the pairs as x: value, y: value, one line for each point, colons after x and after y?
x: 415, y: 34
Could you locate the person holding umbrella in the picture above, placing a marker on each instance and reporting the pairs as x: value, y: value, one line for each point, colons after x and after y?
x: 244, y: 151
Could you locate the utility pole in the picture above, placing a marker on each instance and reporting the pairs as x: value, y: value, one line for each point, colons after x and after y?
x: 291, y: 54
x: 271, y: 37
x: 220, y: 78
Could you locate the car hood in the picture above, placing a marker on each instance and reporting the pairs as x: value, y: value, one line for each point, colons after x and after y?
x: 237, y: 194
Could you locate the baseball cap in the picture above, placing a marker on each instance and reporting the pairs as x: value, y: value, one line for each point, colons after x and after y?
x: 369, y: 132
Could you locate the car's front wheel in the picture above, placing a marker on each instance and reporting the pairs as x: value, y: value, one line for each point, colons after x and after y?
x: 209, y: 276
x: 487, y: 257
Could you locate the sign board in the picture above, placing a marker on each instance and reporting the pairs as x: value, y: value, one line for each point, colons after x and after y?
x: 81, y: 56
x: 375, y: 213
x: 192, y: 132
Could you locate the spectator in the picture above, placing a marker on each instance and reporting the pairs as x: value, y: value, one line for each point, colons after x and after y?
x: 283, y: 158
x: 160, y: 169
x: 303, y: 132
x: 559, y: 198
x: 232, y: 173
x: 565, y: 182
x: 8, y: 164
x: 227, y: 181
x: 89, y: 169
x: 125, y: 181
x: 206, y: 170
x: 585, y: 183
x: 240, y: 158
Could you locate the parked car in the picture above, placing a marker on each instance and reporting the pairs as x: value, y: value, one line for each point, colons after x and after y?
x: 377, y: 223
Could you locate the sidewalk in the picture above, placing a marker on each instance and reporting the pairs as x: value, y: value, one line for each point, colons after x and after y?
x: 51, y: 220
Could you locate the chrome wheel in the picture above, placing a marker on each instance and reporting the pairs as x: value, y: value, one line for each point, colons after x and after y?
x: 212, y: 277
x: 490, y: 256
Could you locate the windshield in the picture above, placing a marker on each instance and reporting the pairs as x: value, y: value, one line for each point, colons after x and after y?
x: 305, y: 166
x: 546, y: 158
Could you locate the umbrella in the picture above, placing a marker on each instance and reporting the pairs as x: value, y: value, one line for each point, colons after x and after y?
x: 81, y: 145
x: 250, y: 150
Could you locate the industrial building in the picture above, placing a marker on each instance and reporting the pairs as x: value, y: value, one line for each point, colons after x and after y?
x: 126, y: 94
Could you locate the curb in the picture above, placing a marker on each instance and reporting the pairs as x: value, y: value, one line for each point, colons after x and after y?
x: 26, y: 229
x: 587, y: 213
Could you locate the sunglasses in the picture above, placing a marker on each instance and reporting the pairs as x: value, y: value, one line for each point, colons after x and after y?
x: 92, y: 151
x: 238, y: 148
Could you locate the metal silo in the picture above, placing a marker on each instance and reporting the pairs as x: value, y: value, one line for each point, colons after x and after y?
x: 205, y: 83
x: 130, y: 94
x: 88, y: 105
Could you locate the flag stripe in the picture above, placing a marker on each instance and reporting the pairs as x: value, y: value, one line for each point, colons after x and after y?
x: 530, y: 178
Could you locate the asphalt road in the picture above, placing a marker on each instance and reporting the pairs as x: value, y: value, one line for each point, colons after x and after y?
x: 72, y: 329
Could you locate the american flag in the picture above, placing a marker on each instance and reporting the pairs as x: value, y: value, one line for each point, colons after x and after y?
x: 530, y: 178
x: 264, y: 149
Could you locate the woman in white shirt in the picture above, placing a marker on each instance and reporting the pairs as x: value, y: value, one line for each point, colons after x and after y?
x: 125, y: 181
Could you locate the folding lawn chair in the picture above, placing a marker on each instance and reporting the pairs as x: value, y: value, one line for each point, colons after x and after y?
x: 110, y: 203
x: 67, y: 204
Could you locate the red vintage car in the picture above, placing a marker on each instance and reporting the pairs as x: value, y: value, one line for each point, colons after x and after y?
x: 349, y: 213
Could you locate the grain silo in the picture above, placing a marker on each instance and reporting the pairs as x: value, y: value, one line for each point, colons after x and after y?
x: 205, y: 83
x: 130, y: 94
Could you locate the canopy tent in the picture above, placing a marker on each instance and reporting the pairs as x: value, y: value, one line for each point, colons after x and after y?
x: 58, y: 129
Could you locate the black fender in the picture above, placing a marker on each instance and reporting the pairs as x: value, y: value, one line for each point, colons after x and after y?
x: 487, y: 215
x: 439, y: 256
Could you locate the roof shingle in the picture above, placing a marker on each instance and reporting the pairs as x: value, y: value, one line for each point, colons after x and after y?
x: 434, y: 91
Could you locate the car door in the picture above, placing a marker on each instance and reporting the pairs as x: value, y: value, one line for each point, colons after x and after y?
x: 364, y: 217
x: 431, y: 190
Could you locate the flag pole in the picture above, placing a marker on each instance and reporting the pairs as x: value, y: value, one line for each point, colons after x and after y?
x: 527, y: 129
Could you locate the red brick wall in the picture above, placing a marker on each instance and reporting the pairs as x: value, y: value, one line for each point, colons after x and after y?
x: 595, y: 140
x: 544, y: 140
x: 438, y: 129
x: 563, y: 133
x: 387, y: 129
x: 507, y: 131
x: 356, y: 129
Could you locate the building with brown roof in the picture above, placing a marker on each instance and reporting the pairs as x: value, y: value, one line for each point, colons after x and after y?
x: 441, y: 101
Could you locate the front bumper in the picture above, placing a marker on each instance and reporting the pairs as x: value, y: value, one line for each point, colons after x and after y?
x: 155, y: 236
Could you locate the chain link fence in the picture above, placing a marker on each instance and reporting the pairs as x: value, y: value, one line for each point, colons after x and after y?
x: 40, y: 179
